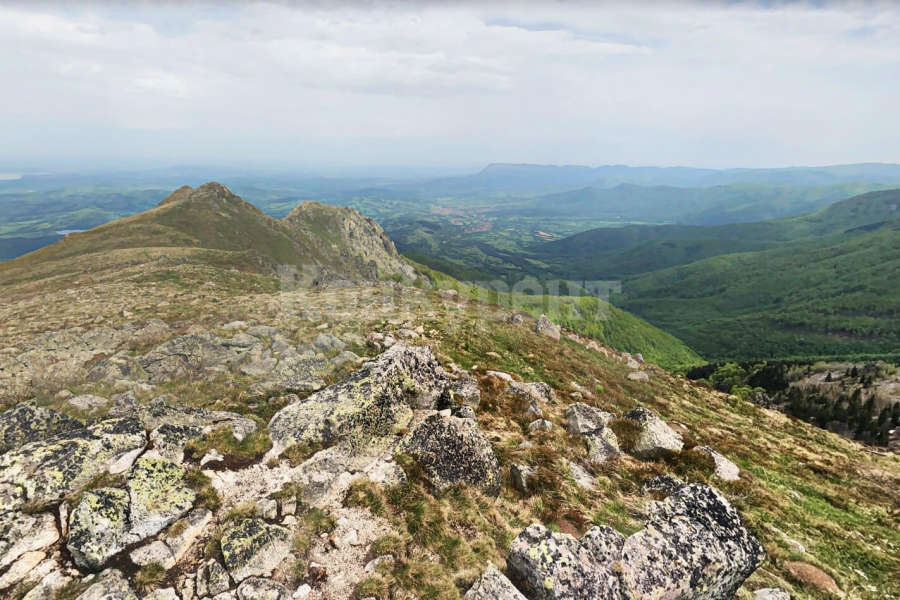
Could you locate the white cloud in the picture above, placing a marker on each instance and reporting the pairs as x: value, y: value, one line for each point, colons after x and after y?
x: 454, y: 85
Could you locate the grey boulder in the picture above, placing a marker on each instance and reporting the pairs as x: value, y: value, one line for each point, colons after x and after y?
x: 493, y: 585
x: 655, y: 437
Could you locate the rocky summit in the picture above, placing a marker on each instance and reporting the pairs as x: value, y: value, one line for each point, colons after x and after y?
x: 184, y: 417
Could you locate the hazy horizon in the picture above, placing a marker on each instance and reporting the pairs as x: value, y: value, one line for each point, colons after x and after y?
x: 448, y: 88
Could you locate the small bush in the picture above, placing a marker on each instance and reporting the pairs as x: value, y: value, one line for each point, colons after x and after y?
x: 374, y: 587
x: 149, y: 577
x: 365, y: 494
x: 237, y: 452
x: 207, y: 496
x: 298, y: 453
x: 240, y: 512
x: 691, y: 465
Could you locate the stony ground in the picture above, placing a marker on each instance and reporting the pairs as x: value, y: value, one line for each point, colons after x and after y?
x: 181, y: 427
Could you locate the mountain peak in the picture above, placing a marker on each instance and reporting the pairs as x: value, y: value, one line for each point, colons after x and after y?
x: 212, y: 189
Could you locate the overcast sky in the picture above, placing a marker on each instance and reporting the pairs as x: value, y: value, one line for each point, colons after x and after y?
x: 451, y: 85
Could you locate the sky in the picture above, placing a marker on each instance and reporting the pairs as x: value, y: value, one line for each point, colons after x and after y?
x: 450, y: 85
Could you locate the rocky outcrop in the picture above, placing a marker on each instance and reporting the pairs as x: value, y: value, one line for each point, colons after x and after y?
x: 452, y: 451
x: 296, y: 373
x: 655, y: 437
x: 253, y: 548
x: 374, y: 402
x: 694, y: 546
x: 26, y: 422
x: 45, y: 471
x: 493, y: 585
x: 21, y: 534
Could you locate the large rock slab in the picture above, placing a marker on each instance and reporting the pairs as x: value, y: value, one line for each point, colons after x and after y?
x: 26, y: 422
x: 21, y: 534
x: 655, y: 437
x: 374, y: 402
x: 46, y: 471
x: 694, y: 546
x: 253, y: 548
x: 454, y: 450
x: 493, y: 585
x: 158, y: 496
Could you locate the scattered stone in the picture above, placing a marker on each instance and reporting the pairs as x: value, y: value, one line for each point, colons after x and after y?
x: 463, y: 412
x: 602, y: 446
x: 301, y: 373
x: 259, y: 368
x: 520, y: 475
x: 771, y: 594
x: 89, y: 404
x: 110, y: 585
x: 582, y: 478
x: 655, y: 438
x: 120, y: 366
x: 583, y: 419
x: 638, y: 376
x: 329, y: 344
x: 813, y: 577
x: 546, y: 327
x: 235, y: 326
x: 540, y: 425
x: 466, y: 390
x: 163, y: 594
x: 254, y: 548
x: 725, y: 469
x: 212, y: 579
x: 453, y: 451
x: 257, y: 588
x: 493, y: 585
x: 186, y: 356
x: 263, y: 331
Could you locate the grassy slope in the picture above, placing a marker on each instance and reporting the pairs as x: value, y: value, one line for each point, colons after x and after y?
x: 799, y: 482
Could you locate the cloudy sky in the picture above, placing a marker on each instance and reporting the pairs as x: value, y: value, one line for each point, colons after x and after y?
x: 455, y: 85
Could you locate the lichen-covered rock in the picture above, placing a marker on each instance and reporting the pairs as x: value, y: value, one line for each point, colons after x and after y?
x: 47, y: 470
x: 185, y: 356
x: 556, y: 566
x: 89, y: 404
x: 638, y: 376
x: 158, y: 415
x: 257, y: 588
x: 99, y: 527
x: 463, y: 412
x: 452, y: 451
x: 26, y: 422
x: 374, y: 402
x: 110, y: 585
x: 169, y: 441
x: 540, y: 425
x: 655, y: 438
x: 519, y: 475
x: 493, y: 585
x: 466, y: 391
x: 725, y: 469
x: 538, y: 391
x: 602, y: 445
x: 158, y: 496
x: 212, y: 579
x: 162, y: 594
x: 21, y: 533
x: 545, y: 326
x: 259, y: 368
x: 253, y: 548
x: 293, y: 374
x: 582, y: 419
x: 694, y: 545
x: 665, y: 484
